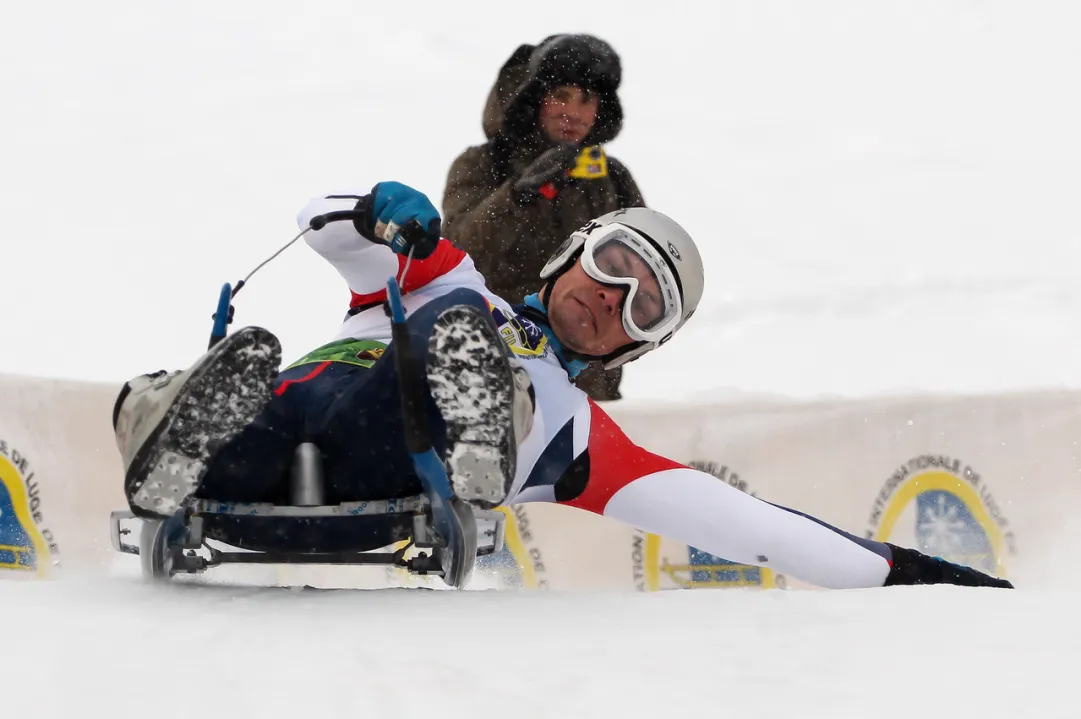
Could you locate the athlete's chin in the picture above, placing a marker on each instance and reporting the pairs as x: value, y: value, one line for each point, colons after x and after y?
x: 578, y: 346
x: 573, y: 335
x: 585, y: 343
x: 569, y: 338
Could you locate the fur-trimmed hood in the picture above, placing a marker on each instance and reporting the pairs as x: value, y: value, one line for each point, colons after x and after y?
x: 510, y: 113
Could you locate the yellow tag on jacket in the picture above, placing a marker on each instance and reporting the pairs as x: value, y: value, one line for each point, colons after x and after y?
x: 592, y: 163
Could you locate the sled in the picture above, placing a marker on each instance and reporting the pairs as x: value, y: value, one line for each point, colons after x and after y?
x: 310, y: 532
x: 305, y: 530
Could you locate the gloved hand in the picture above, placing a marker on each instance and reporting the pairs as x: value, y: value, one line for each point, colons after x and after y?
x: 910, y: 566
x: 546, y: 175
x: 402, y: 218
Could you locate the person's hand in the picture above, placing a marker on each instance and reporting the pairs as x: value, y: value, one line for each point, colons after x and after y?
x: 546, y: 175
x: 403, y: 218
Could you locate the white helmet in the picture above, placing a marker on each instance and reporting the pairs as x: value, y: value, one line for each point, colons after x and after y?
x: 667, y: 256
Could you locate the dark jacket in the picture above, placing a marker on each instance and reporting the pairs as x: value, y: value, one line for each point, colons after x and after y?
x: 510, y: 242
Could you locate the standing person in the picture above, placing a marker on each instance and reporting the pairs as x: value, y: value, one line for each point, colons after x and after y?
x: 544, y: 171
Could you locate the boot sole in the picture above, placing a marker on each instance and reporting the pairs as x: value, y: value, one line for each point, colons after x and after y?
x: 471, y: 381
x: 219, y: 398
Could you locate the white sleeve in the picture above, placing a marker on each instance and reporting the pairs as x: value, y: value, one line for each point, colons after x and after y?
x: 705, y: 512
x: 658, y: 495
x: 364, y: 265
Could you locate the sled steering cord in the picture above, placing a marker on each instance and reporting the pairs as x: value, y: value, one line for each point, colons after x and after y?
x: 224, y: 314
x: 316, y: 223
x: 267, y: 260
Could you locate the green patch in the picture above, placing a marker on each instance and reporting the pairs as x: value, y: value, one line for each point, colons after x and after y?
x: 362, y: 353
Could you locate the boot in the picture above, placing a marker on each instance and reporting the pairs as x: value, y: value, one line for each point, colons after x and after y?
x: 169, y: 424
x: 912, y: 567
x: 486, y: 399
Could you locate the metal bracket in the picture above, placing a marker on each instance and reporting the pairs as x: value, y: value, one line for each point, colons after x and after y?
x: 491, y: 531
x: 123, y: 525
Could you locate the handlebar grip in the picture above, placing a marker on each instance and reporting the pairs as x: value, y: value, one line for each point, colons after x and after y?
x: 424, y: 241
x: 320, y: 221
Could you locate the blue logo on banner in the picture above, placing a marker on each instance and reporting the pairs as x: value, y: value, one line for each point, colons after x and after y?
x: 946, y: 528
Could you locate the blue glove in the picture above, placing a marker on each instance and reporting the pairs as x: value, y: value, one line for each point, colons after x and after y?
x: 412, y: 222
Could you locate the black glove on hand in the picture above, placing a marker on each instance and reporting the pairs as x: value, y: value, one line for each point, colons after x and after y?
x: 548, y: 174
x: 912, y: 567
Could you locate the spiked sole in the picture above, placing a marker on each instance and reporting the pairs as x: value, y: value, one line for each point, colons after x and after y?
x: 471, y: 381
x: 221, y: 396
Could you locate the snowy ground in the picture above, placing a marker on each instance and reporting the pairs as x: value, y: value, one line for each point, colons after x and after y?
x: 125, y: 649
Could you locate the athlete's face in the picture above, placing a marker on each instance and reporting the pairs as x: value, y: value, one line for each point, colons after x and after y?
x: 585, y: 315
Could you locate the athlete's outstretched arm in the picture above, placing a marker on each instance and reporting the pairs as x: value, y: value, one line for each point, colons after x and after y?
x: 661, y: 496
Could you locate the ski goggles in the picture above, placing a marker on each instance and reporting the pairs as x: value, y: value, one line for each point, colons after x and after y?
x: 620, y: 257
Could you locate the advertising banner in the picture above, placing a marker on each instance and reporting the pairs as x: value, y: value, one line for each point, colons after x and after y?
x: 985, y: 481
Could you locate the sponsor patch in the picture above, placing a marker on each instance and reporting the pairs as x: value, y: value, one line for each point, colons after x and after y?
x: 362, y: 353
x: 523, y: 336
